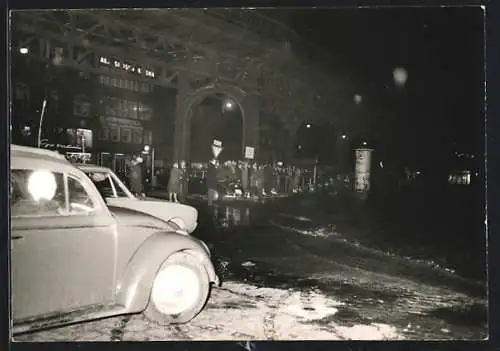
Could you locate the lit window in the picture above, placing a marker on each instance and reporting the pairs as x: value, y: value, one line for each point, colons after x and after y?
x: 137, y: 135
x: 114, y: 134
x: 125, y: 135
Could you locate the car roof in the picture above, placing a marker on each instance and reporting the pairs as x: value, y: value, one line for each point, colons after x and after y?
x: 27, y: 157
x: 91, y: 167
x: 33, y: 152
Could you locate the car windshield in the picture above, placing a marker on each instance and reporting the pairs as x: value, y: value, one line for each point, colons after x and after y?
x: 107, y: 185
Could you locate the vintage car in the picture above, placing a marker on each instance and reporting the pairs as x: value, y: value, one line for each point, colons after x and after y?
x: 76, y: 258
x: 117, y: 194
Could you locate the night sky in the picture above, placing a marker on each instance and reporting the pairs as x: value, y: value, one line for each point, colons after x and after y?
x: 442, y: 50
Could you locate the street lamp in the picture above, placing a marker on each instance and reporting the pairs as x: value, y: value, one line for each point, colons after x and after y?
x: 228, y: 105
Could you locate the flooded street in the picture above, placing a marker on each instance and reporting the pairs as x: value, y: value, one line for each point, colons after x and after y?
x: 286, y: 277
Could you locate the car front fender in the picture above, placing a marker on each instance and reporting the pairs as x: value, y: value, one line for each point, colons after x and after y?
x: 133, y: 289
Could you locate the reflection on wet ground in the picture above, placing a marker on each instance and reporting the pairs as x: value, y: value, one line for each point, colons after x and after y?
x: 230, y: 217
x: 261, y: 254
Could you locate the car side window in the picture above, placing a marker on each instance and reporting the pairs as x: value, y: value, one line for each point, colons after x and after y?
x: 119, y: 191
x: 103, y: 183
x: 79, y: 199
x: 37, y: 193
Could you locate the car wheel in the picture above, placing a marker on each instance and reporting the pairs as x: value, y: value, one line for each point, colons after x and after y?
x: 179, y: 291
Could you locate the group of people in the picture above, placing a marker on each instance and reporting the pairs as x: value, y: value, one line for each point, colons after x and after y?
x: 253, y: 178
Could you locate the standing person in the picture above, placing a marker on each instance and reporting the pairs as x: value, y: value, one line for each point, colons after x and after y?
x: 183, y: 179
x: 174, y: 183
x: 244, y: 178
x: 253, y: 178
x: 260, y: 180
x: 268, y: 178
x: 211, y: 181
x: 296, y: 179
x: 135, y: 176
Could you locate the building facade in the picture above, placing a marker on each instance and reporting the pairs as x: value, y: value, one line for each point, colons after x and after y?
x: 104, y: 119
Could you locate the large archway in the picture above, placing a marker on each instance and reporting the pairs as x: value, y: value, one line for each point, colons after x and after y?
x: 185, y: 108
x: 217, y: 117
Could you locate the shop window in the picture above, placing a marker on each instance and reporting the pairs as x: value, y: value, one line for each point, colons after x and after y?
x: 125, y: 135
x: 137, y: 135
x: 103, y: 134
x: 114, y: 134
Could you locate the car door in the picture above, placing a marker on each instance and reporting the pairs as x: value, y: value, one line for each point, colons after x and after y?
x: 63, y: 253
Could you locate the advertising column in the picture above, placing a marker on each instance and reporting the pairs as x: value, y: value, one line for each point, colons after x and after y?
x: 362, y: 171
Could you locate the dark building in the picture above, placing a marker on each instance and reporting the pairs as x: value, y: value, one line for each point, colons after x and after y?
x: 111, y: 117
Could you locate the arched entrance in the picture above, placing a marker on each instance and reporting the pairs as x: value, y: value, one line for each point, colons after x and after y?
x: 216, y: 117
x: 186, y: 102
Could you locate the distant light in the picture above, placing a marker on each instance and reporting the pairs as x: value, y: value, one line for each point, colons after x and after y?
x: 365, y: 143
x: 229, y: 105
x: 308, y: 126
x: 146, y: 148
x: 23, y: 51
x: 300, y: 147
x: 358, y: 98
x: 400, y: 76
x: 344, y: 136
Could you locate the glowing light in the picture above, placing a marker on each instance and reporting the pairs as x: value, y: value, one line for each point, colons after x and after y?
x: 42, y: 185
x: 358, y: 98
x: 146, y: 148
x: 308, y: 125
x: 229, y: 105
x: 344, y: 136
x: 365, y: 143
x: 23, y: 51
x: 400, y: 76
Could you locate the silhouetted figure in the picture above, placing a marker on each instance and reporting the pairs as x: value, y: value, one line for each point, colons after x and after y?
x: 135, y: 177
x: 211, y: 182
x: 174, y: 183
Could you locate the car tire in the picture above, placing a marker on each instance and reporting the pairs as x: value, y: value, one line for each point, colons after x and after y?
x: 195, y: 286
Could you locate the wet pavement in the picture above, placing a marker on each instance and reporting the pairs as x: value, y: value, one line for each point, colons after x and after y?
x: 291, y: 277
